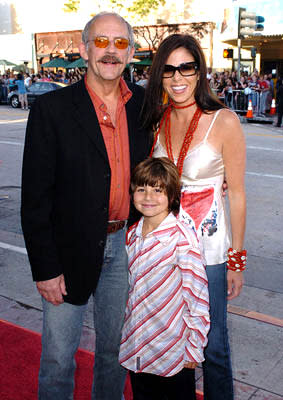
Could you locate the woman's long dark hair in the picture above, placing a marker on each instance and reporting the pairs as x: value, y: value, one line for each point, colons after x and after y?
x: 153, y: 107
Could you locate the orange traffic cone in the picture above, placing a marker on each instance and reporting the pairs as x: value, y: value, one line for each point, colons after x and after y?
x: 273, y: 107
x: 250, y: 110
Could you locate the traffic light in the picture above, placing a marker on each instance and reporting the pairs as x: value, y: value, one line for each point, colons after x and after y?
x: 228, y: 53
x: 249, y: 23
x: 259, y: 23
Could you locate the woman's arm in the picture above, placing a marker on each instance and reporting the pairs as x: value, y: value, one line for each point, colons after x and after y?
x: 234, y: 157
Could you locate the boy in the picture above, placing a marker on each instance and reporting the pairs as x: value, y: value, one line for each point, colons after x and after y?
x: 167, y: 315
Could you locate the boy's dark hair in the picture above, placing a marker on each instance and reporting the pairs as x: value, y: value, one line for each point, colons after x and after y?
x: 160, y: 172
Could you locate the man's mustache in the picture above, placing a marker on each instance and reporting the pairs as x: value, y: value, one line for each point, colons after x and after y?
x: 107, y: 58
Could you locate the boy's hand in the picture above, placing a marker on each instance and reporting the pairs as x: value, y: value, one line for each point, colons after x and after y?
x: 191, y: 365
x: 224, y: 188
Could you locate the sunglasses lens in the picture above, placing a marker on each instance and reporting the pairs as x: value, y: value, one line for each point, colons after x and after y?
x: 101, y: 42
x: 188, y: 69
x: 121, y: 43
x: 168, y: 71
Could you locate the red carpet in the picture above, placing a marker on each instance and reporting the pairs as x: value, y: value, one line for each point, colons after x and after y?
x: 20, y: 351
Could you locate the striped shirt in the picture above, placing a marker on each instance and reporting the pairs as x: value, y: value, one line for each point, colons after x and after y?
x: 167, y: 314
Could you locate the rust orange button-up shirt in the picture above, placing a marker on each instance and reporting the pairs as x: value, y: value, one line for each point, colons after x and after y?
x: 116, y: 140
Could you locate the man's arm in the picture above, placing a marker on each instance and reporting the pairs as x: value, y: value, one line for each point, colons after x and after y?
x: 38, y: 182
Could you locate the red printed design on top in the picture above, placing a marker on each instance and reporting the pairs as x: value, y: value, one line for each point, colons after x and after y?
x: 197, y: 204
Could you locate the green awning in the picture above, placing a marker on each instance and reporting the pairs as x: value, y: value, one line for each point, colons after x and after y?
x: 144, y: 62
x: 56, y: 63
x: 7, y: 63
x: 79, y: 63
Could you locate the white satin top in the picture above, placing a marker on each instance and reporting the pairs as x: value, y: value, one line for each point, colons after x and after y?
x: 202, y: 202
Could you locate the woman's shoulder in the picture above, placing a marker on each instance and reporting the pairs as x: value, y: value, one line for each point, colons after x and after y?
x: 226, y: 123
x: 225, y: 115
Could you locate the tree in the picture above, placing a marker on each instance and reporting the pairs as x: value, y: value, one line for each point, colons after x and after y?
x: 154, y: 34
x: 144, y: 7
x: 71, y: 6
x: 140, y: 8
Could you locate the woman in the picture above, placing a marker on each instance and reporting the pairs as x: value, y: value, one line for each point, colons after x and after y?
x: 228, y: 90
x: 22, y: 91
x: 206, y: 141
x: 241, y: 99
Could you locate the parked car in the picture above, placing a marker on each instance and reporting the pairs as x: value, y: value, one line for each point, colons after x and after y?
x: 36, y: 89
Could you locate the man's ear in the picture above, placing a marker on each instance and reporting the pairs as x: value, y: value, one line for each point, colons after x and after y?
x: 83, y: 51
x: 131, y: 54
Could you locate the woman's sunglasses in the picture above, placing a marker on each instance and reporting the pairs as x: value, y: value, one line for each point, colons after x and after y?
x: 102, y: 42
x: 185, y: 69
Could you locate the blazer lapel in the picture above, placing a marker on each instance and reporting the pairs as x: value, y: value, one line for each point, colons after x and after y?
x: 85, y: 114
x: 132, y: 109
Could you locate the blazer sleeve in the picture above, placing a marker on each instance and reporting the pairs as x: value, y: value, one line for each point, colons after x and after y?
x: 38, y: 182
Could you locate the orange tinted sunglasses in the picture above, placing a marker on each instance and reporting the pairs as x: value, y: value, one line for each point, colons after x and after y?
x: 102, y: 42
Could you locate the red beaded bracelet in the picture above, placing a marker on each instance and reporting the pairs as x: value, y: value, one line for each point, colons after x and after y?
x: 237, y: 260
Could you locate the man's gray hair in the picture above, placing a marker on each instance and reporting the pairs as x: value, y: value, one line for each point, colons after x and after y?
x: 103, y: 14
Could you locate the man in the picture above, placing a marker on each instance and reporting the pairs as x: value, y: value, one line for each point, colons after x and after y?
x: 279, y: 99
x: 81, y: 143
x: 264, y: 90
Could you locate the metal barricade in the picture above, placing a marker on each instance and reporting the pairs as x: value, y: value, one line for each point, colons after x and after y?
x: 258, y: 99
x: 239, y: 101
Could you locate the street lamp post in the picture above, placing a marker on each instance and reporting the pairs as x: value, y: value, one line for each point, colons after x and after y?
x: 239, y: 58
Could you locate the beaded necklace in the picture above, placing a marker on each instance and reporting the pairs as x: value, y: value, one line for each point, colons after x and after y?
x: 188, y: 137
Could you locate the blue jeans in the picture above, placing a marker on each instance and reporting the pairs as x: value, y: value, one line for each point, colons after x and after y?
x: 217, y: 369
x: 62, y: 327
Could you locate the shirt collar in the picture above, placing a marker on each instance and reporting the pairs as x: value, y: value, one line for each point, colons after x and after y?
x: 125, y: 92
x: 161, y: 232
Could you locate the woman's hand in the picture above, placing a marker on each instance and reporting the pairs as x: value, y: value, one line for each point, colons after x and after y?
x: 235, y: 281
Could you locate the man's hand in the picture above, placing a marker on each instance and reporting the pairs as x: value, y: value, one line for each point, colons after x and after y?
x: 53, y: 289
x: 191, y: 365
x: 235, y: 281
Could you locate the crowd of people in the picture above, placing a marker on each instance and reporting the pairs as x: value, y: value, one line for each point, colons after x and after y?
x: 259, y: 88
x: 235, y: 93
x: 68, y: 77
x: 9, y: 78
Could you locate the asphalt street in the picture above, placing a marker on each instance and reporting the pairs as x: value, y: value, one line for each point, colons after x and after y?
x: 255, y: 318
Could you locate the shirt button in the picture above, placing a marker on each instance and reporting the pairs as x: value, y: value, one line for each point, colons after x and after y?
x: 105, y: 117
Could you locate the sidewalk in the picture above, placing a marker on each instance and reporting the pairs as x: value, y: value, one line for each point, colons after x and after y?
x: 256, y: 337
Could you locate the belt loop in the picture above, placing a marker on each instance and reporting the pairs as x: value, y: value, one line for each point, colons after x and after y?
x: 114, y: 226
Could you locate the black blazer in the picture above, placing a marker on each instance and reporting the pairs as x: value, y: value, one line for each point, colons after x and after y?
x: 66, y: 185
